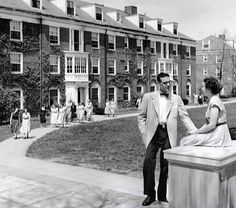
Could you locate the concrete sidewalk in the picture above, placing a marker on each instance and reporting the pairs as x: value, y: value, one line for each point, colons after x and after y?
x: 33, y: 183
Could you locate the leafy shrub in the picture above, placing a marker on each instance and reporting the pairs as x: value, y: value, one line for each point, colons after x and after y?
x: 233, y: 93
x: 99, y: 111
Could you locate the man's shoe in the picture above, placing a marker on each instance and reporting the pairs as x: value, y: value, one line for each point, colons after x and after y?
x: 149, y: 199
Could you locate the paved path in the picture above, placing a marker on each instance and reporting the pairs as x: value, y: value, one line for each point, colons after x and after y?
x: 32, y: 183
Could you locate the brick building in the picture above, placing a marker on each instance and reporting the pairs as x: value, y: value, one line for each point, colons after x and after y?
x: 216, y: 57
x: 54, y: 50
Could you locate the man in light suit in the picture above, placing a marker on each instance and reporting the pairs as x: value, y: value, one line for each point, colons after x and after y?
x: 157, y: 121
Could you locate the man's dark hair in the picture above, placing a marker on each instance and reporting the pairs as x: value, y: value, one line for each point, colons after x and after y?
x: 161, y: 75
x: 213, y: 85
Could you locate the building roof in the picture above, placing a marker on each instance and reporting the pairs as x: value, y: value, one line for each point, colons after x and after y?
x: 49, y: 9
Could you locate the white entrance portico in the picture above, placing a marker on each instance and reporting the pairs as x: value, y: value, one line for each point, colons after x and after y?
x: 76, y: 77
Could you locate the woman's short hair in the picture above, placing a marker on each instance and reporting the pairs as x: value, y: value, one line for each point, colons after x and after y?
x: 213, y: 85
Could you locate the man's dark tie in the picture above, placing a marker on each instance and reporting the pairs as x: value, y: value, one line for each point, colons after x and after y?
x: 165, y: 94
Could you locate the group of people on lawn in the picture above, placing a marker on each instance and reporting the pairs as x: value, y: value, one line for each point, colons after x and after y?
x: 64, y: 114
x: 110, y: 108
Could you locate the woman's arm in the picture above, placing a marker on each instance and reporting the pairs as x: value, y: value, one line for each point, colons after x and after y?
x: 208, y: 127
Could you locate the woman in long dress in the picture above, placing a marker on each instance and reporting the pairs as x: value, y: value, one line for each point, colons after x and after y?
x: 81, y: 110
x: 215, y: 132
x: 89, y: 110
x: 107, y: 108
x: 112, y: 107
x: 42, y: 116
x: 61, y: 116
x: 25, y: 128
x: 54, y: 116
x: 15, y: 121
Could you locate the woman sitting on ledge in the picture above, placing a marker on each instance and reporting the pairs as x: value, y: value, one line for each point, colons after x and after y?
x: 215, y: 132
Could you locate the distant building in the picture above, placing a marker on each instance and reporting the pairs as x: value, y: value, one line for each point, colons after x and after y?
x: 216, y: 57
x: 55, y: 51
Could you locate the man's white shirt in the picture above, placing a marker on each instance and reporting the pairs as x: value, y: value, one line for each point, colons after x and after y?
x: 162, y: 109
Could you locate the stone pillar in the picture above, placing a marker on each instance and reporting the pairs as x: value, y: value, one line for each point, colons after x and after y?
x: 202, y: 177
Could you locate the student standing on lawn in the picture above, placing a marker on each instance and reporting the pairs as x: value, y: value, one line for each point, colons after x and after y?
x: 107, y: 108
x: 157, y: 121
x: 89, y: 110
x: 54, y: 115
x: 73, y: 111
x: 112, y: 108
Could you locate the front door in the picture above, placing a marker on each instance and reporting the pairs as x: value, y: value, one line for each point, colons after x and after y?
x: 81, y: 95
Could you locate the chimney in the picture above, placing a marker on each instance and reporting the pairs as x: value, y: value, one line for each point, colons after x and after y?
x: 131, y: 10
x: 222, y: 36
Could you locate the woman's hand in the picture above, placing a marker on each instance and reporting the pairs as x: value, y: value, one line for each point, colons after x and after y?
x: 195, y: 131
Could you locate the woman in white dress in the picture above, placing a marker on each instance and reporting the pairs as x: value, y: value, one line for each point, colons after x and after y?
x: 80, y: 113
x: 25, y: 128
x: 61, y: 115
x: 89, y: 110
x: 53, y: 116
x: 215, y: 132
x: 107, y: 108
x: 112, y: 107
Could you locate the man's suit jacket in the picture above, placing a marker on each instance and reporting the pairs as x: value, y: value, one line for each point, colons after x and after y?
x: 148, y: 118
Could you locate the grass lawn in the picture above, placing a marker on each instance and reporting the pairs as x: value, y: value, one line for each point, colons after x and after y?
x: 113, y: 145
x: 5, y: 132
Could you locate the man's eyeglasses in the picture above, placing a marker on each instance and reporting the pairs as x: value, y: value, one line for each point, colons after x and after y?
x: 167, y: 83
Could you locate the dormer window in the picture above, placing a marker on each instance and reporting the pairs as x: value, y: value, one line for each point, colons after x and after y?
x: 141, y: 22
x: 206, y: 44
x: 70, y: 8
x: 159, y: 26
x: 118, y: 17
x: 36, y: 4
x: 175, y: 30
x: 98, y: 13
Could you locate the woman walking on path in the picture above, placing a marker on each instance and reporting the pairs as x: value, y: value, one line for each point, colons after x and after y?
x: 15, y: 121
x: 107, y: 108
x: 112, y: 108
x: 25, y: 128
x: 42, y: 116
x: 54, y: 116
x: 89, y: 110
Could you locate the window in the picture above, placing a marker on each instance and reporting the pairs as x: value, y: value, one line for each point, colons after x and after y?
x: 139, y: 46
x: 188, y: 70
x: 54, y: 35
x: 175, y: 50
x: 16, y: 60
x: 162, y: 67
x: 111, y: 42
x: 140, y: 68
x: 175, y: 69
x: 153, y: 68
x: 94, y: 94
x: 16, y: 30
x: 187, y: 55
x: 126, y: 93
x: 152, y: 88
x: 112, y: 66
x: 205, y: 71
x: 159, y: 26
x: 139, y: 89
x: 153, y: 47
x: 218, y: 58
x: 76, y: 40
x: 188, y: 88
x: 95, y: 40
x: 111, y: 93
x: 219, y: 72
x: 118, y: 17
x: 54, y: 64
x: 141, y: 22
x: 69, y: 65
x: 127, y: 65
x: 175, y: 30
x: 206, y: 44
x: 126, y: 42
x: 164, y: 50
x: 70, y: 7
x: 53, y: 96
x: 80, y: 65
x: 205, y: 58
x: 169, y: 69
x: 175, y: 87
x: 98, y: 13
x: 36, y: 4
x: 95, y: 66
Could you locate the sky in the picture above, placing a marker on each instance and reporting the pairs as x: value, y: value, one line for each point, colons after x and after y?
x: 197, y: 18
